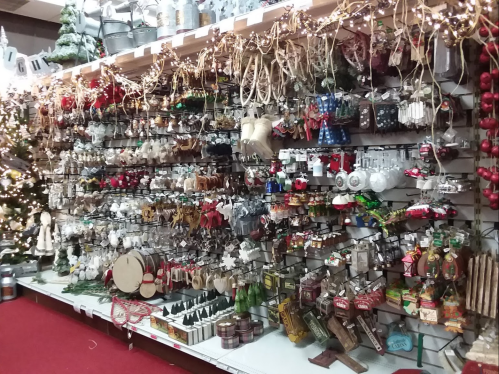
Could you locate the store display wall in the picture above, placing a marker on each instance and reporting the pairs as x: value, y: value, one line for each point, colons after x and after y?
x: 471, y: 212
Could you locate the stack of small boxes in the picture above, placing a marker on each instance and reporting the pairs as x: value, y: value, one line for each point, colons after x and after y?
x: 239, y: 329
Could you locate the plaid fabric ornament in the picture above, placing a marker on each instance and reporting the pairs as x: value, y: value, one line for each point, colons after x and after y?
x: 327, y: 105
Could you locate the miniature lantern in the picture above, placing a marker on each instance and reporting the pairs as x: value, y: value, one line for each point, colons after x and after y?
x: 310, y: 290
x: 360, y: 257
x: 411, y: 261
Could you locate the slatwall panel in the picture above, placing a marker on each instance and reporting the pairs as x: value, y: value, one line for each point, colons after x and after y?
x: 435, y: 335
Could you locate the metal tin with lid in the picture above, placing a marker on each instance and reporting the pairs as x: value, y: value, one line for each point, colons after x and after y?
x: 8, y: 284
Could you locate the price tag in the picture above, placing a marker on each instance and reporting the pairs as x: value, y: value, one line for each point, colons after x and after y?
x: 303, y: 4
x: 202, y: 32
x: 385, y: 96
x: 77, y: 308
x: 226, y: 25
x: 255, y: 17
x: 139, y: 52
x: 130, y: 346
x: 154, y: 337
x: 178, y: 40
x: 76, y: 71
x: 133, y: 328
x: 183, y: 243
x: 342, y: 293
x: 89, y: 312
x: 338, y: 95
x: 156, y: 47
x: 398, y: 32
x: 177, y: 346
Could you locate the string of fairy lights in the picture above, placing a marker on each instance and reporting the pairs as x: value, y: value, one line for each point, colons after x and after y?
x: 457, y: 24
x: 14, y: 137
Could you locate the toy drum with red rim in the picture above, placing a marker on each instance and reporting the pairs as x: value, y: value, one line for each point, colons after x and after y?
x: 243, y: 321
x: 245, y: 336
x: 226, y: 328
x: 230, y: 342
x: 257, y: 327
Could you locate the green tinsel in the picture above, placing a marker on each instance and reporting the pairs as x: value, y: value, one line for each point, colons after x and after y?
x: 38, y: 279
x: 93, y: 288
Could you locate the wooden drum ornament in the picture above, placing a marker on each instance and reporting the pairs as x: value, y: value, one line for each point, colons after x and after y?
x: 230, y: 342
x: 257, y: 327
x: 128, y: 272
x: 245, y: 336
x: 226, y: 328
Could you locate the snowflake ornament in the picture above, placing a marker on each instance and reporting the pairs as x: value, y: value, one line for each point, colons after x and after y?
x: 228, y: 262
x: 248, y: 255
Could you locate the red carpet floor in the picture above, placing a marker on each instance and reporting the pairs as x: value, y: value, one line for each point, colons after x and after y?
x: 35, y: 339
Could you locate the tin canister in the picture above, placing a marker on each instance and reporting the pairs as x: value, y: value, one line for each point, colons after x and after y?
x: 243, y: 321
x: 226, y: 328
x: 245, y: 336
x: 230, y: 342
x: 257, y: 327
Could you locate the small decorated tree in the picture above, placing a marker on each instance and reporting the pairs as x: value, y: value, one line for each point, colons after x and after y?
x: 61, y: 263
x: 72, y: 46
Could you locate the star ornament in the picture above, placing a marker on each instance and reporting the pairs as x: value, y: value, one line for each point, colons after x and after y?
x: 228, y: 262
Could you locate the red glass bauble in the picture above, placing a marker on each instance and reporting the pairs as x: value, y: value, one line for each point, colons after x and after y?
x: 486, y: 145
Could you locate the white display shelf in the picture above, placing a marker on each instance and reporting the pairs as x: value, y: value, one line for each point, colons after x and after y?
x: 269, y: 354
x: 275, y: 353
x: 210, y: 350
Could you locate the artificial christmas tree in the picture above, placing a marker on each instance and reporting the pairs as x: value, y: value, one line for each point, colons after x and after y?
x: 21, y: 198
x: 72, y: 47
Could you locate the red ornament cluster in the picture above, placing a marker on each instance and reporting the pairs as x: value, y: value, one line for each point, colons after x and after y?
x: 489, y: 105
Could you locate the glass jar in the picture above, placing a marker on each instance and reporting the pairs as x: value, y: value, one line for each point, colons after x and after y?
x: 8, y: 284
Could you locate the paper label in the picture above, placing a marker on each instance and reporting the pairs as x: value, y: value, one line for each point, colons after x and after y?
x: 139, y: 52
x: 303, y: 4
x: 202, y: 32
x: 226, y: 25
x: 156, y: 47
x: 255, y: 17
x: 178, y: 40
x: 76, y: 71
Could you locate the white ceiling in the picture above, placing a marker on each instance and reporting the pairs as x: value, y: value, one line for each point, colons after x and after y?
x: 48, y: 10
